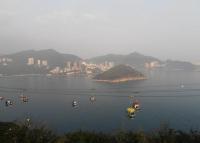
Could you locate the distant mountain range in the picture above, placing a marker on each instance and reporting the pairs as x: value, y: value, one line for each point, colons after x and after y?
x: 138, y: 61
x: 134, y: 59
x: 20, y: 60
x: 54, y: 58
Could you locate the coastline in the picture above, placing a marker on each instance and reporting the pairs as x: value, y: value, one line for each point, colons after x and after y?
x: 122, y: 80
x: 45, y: 75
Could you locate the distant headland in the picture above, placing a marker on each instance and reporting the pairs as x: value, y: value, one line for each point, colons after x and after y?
x: 119, y: 73
x: 51, y: 62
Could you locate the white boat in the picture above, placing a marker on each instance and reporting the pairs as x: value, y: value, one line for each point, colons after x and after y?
x: 24, y: 98
x: 92, y: 98
x: 8, y: 102
x: 74, y: 103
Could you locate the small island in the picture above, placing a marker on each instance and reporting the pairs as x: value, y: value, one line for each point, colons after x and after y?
x: 119, y: 73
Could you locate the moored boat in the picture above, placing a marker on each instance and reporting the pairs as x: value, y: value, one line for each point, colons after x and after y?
x: 131, y: 112
x: 74, y: 103
x: 8, y: 103
x: 136, y: 105
x: 92, y: 98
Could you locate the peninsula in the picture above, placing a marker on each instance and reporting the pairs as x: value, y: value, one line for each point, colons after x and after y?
x: 119, y: 73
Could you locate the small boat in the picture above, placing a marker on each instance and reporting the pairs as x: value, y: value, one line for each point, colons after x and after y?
x: 74, y: 103
x: 92, y: 98
x: 24, y: 98
x: 1, y: 98
x: 28, y: 119
x: 8, y: 103
x: 136, y: 105
x: 131, y: 112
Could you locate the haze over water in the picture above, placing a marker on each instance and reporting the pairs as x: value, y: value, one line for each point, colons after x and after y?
x: 165, y: 29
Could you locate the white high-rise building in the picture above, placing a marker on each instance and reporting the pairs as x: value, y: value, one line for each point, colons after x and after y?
x: 30, y: 61
x: 69, y: 65
x: 39, y: 62
x: 44, y: 63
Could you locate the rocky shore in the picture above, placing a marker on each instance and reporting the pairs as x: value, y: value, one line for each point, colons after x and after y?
x: 120, y: 73
x: 123, y: 79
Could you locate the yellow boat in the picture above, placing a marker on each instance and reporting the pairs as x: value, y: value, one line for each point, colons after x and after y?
x: 131, y: 112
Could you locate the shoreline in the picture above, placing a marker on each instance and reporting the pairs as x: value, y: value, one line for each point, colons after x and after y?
x: 38, y: 75
x: 122, y: 80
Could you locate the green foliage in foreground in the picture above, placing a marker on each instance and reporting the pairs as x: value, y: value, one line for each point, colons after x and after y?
x: 15, y: 133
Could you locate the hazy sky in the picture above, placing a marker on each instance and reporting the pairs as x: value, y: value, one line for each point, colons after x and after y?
x: 160, y: 28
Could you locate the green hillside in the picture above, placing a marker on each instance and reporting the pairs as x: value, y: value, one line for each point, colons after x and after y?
x: 118, y: 72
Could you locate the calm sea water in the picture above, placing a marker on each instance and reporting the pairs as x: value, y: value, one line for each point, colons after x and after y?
x: 162, y: 99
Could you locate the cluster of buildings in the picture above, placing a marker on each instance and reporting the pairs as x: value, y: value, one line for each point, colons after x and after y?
x: 152, y: 65
x: 68, y: 68
x: 91, y: 67
x: 38, y: 62
x: 71, y: 67
x: 5, y: 61
x: 82, y: 67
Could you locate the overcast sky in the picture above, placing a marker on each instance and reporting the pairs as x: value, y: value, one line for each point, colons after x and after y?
x: 167, y: 29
